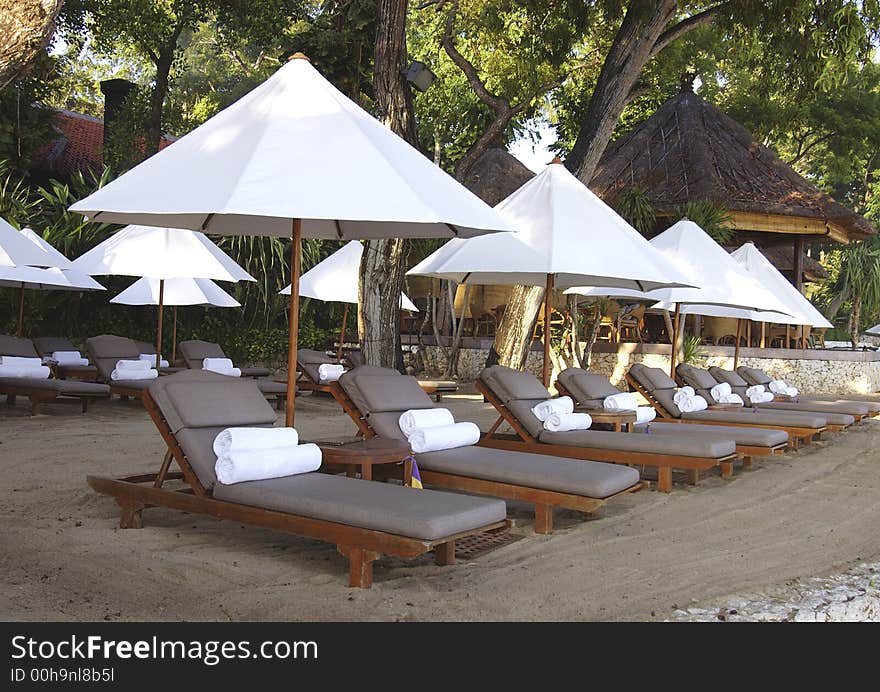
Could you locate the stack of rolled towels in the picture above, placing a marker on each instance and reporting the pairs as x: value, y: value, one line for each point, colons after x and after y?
x: 688, y: 401
x: 256, y: 454
x: 781, y: 387
x: 723, y: 394
x: 330, y: 372
x: 17, y: 366
x: 757, y: 395
x: 222, y: 366
x: 66, y: 358
x: 627, y: 401
x: 151, y: 359
x: 433, y: 429
x: 133, y: 370
x: 558, y: 415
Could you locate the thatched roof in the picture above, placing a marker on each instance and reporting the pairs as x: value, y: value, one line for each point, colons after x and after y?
x: 495, y: 175
x: 690, y: 151
x: 782, y: 257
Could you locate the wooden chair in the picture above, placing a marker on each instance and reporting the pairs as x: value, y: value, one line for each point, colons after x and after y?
x: 361, y: 546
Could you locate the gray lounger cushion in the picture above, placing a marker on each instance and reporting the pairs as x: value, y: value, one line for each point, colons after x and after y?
x: 732, y: 378
x: 105, y: 350
x: 349, y: 385
x: 522, y: 411
x: 834, y: 414
x: 309, y: 360
x: 588, y: 479
x: 873, y: 406
x: 786, y: 419
x: 509, y: 384
x: 652, y: 378
x: 753, y: 375
x: 270, y: 386
x: 47, y: 345
x: 695, y: 377
x: 713, y: 447
x: 383, y: 393
x: 755, y: 437
x: 587, y: 388
x: 194, y: 351
x: 423, y: 514
x: 17, y: 346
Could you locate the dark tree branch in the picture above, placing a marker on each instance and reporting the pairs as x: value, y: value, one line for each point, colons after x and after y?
x: 674, y: 33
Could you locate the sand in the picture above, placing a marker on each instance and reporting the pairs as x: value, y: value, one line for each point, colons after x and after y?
x: 645, y: 556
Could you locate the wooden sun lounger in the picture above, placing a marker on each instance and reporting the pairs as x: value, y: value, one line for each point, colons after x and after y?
x: 798, y: 435
x: 543, y: 500
x: 361, y: 546
x: 747, y: 452
x: 664, y: 463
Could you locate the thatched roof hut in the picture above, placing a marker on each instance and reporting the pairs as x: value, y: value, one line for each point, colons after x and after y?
x: 495, y: 175
x: 690, y: 151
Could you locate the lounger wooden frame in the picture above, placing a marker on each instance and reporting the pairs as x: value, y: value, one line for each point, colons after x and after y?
x: 748, y: 452
x: 543, y: 500
x: 796, y: 434
x: 42, y: 396
x: 665, y: 463
x: 307, y: 382
x: 361, y: 546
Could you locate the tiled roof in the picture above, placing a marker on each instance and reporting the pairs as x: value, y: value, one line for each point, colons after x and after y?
x: 78, y: 146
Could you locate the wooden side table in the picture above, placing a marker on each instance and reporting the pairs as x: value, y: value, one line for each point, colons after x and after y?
x: 358, y: 454
x: 620, y: 420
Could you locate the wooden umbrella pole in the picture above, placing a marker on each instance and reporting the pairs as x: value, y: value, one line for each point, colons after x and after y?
x: 548, y: 299
x: 159, y: 331
x: 739, y: 324
x: 676, y: 326
x: 174, y: 337
x: 295, y: 260
x: 342, y: 333
x: 21, y: 310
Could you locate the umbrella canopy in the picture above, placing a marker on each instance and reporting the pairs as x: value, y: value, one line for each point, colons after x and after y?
x: 335, y: 279
x: 294, y: 148
x: 160, y: 253
x: 294, y: 157
x: 16, y: 250
x: 52, y: 255
x: 563, y: 229
x: 873, y: 331
x: 204, y: 292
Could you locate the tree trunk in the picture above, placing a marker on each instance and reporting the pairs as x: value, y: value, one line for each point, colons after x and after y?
x: 157, y: 100
x: 855, y: 321
x: 633, y: 46
x: 835, y: 305
x: 514, y: 334
x: 381, y: 278
x: 26, y: 26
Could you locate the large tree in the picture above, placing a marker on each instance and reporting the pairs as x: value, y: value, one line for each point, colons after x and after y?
x: 26, y: 26
x: 381, y: 278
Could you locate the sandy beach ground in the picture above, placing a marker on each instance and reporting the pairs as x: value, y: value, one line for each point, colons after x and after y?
x: 647, y: 556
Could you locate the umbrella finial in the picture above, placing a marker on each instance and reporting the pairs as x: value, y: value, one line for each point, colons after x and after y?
x: 298, y: 56
x: 556, y: 159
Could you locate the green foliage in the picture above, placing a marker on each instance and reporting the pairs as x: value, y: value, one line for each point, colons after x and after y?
x: 17, y: 202
x: 634, y: 204
x: 713, y: 219
x: 692, y: 350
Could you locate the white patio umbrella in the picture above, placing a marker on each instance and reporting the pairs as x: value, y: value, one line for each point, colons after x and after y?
x: 566, y: 236
x: 293, y: 158
x: 16, y: 250
x: 335, y: 279
x: 722, y: 281
x: 161, y: 254
x: 873, y: 331
x: 175, y: 292
x: 53, y: 274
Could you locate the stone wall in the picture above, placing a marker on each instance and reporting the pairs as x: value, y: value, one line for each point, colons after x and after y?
x: 812, y: 371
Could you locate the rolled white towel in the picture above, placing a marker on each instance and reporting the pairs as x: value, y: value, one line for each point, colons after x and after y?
x: 132, y: 364
x: 720, y: 390
x: 777, y: 386
x: 29, y: 372
x: 413, y: 419
x: 625, y: 401
x: 330, y: 372
x: 761, y: 397
x: 645, y: 414
x: 261, y: 464
x: 217, y: 364
x: 754, y: 391
x: 239, y: 439
x: 69, y: 358
x: 692, y: 403
x: 444, y: 437
x: 729, y: 399
x: 150, y: 359
x: 21, y: 362
x: 231, y: 372
x: 561, y: 404
x: 563, y: 422
x: 683, y: 393
x: 792, y: 391
x: 134, y: 374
